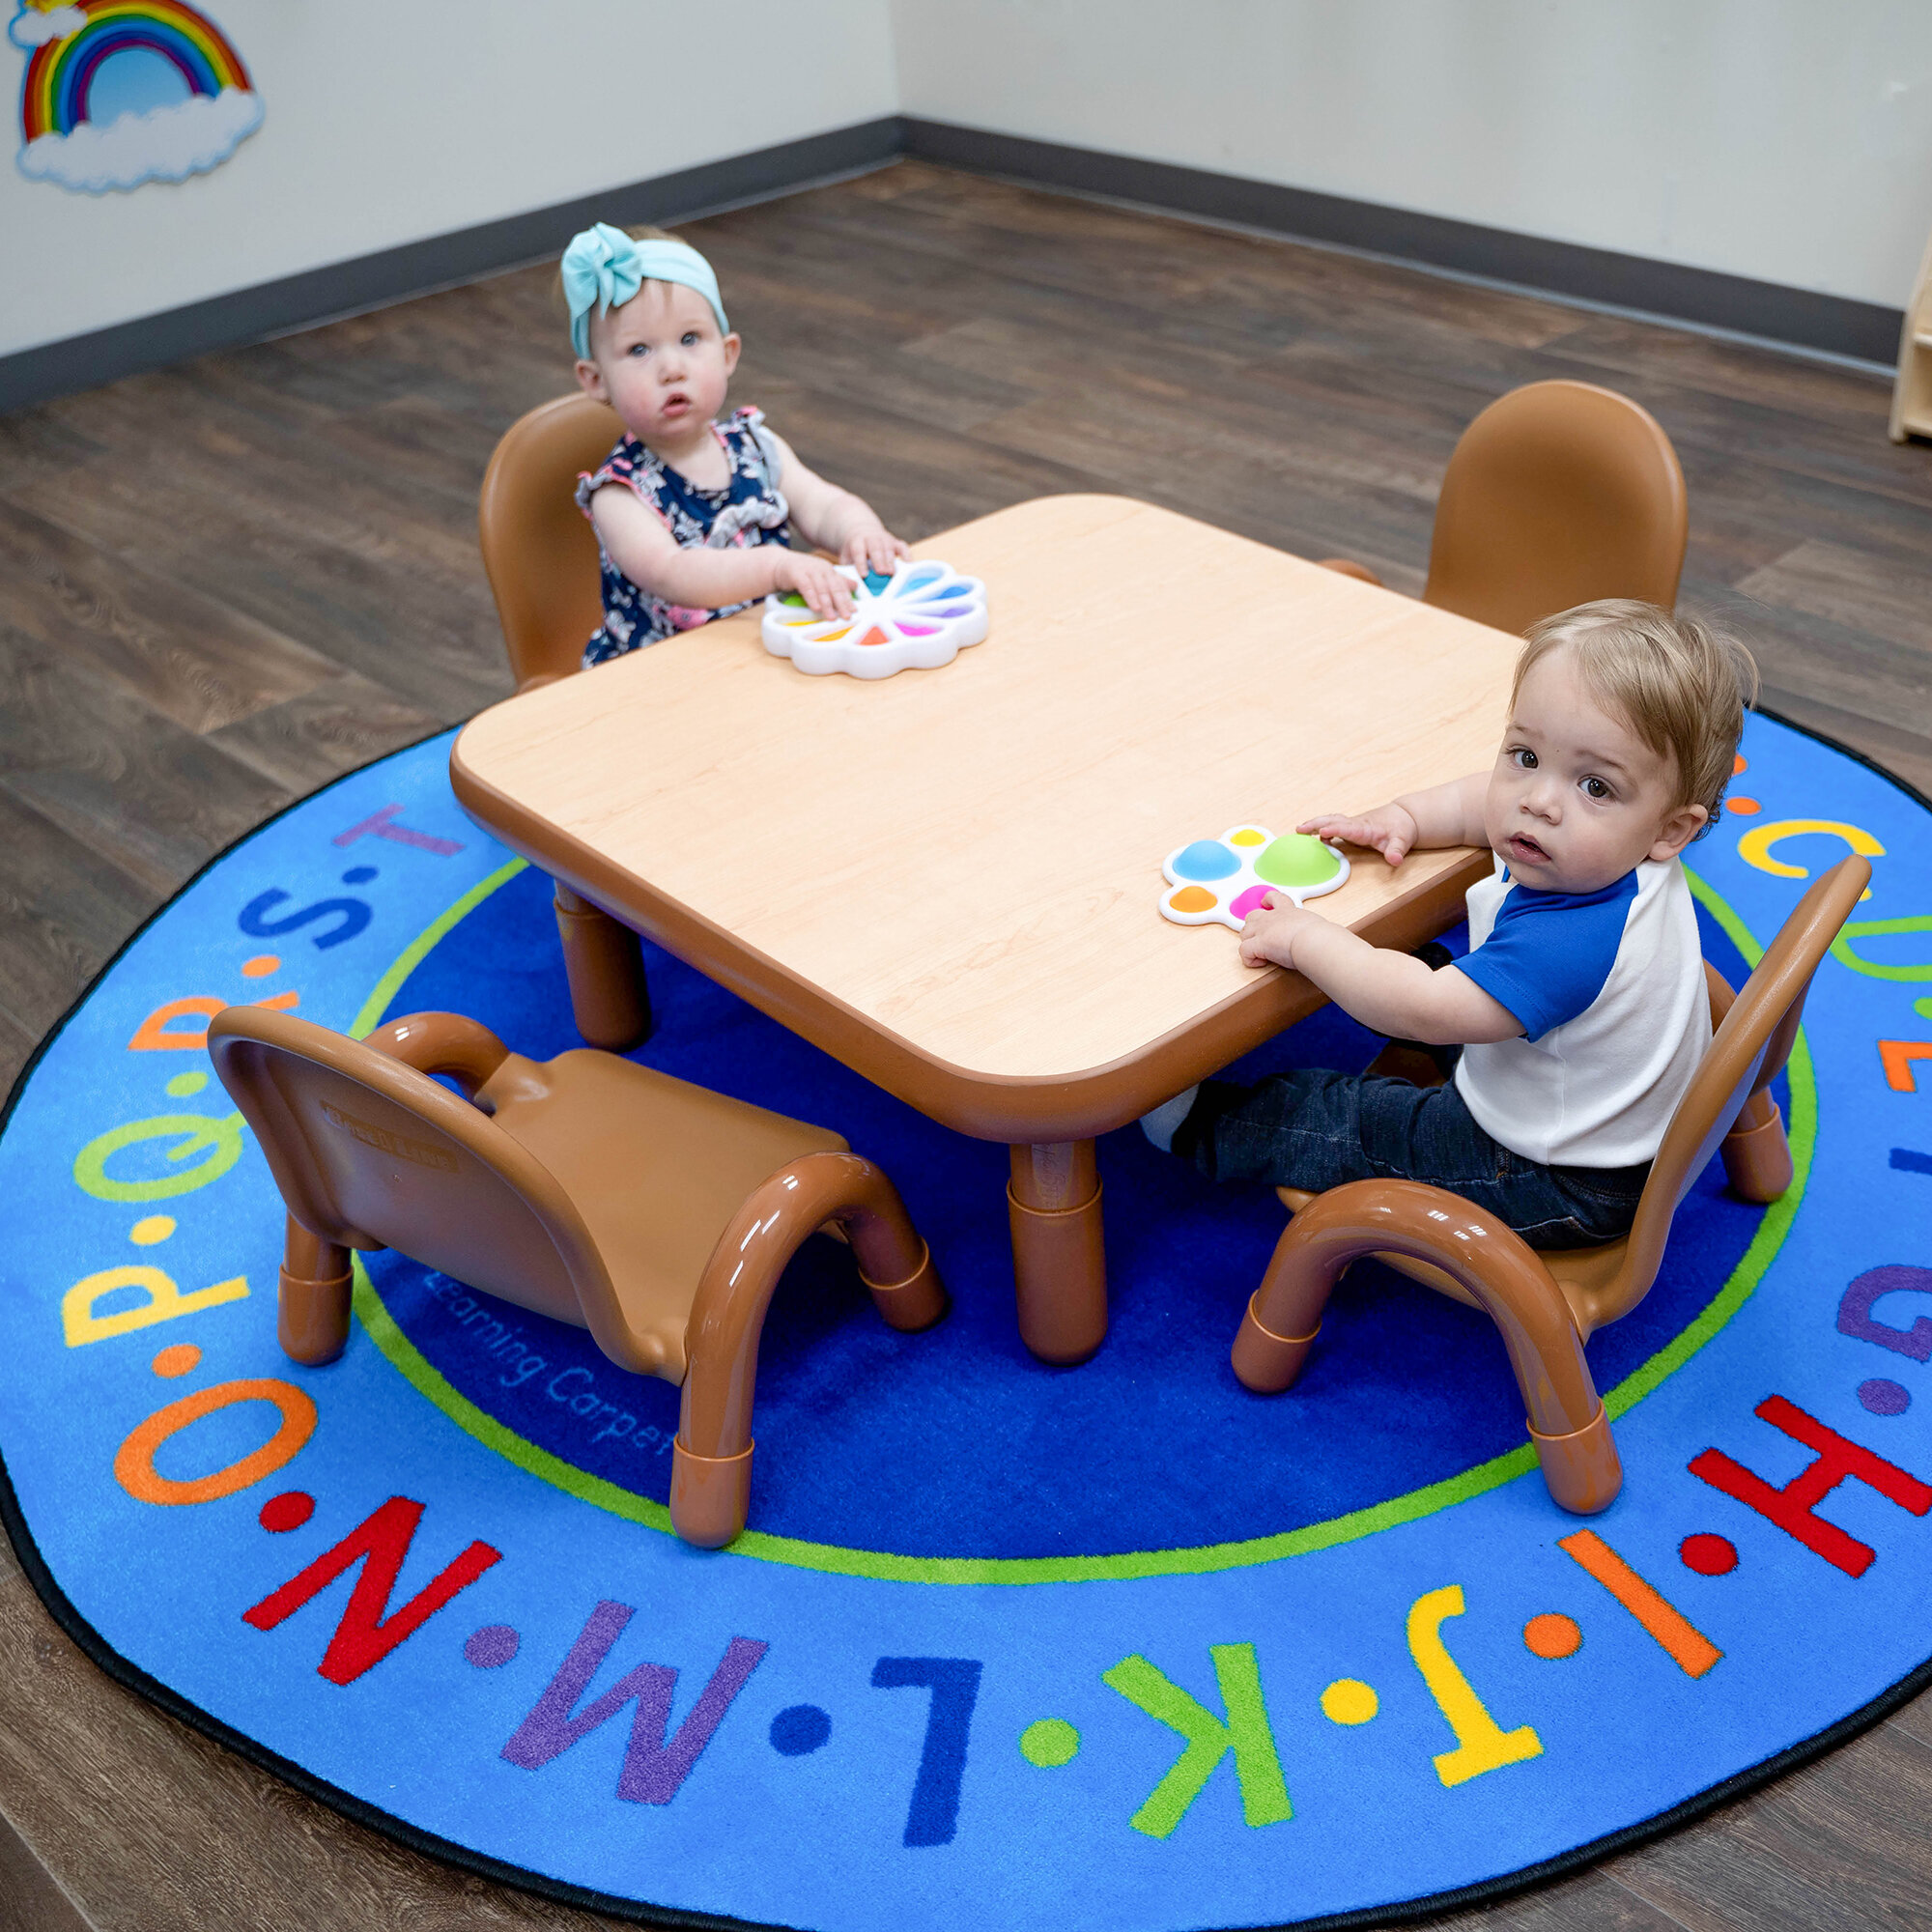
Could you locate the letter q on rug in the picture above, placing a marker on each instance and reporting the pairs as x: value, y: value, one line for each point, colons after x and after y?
x: 1006, y: 1644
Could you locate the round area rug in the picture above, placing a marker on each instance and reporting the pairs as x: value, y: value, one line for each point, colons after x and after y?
x: 1007, y: 1645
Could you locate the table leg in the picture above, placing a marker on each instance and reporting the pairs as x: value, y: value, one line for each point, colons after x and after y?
x: 1060, y: 1272
x: 605, y: 965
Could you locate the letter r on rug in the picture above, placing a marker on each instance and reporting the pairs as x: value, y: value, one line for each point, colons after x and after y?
x: 1246, y: 1733
x: 655, y: 1767
x: 365, y: 1636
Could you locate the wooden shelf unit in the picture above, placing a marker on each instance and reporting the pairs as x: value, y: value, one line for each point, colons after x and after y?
x: 1911, y: 393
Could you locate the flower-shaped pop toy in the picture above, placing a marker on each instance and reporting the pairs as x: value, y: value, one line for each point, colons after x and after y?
x: 920, y: 618
x: 1222, y: 880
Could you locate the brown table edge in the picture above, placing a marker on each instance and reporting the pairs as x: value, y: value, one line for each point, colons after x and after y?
x: 1012, y: 1108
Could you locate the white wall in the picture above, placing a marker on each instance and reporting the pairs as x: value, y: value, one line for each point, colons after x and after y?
x: 1786, y: 140
x: 1789, y: 140
x: 387, y: 121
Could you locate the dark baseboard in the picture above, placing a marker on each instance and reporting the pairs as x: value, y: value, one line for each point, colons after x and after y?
x: 1701, y: 297
x: 1834, y: 323
x: 371, y: 281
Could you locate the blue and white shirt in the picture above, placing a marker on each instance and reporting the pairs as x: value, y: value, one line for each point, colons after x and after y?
x: 1610, y: 987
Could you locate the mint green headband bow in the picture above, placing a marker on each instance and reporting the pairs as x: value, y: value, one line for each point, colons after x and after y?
x: 603, y: 268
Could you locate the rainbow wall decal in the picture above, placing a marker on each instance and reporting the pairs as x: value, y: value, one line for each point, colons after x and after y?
x: 120, y: 92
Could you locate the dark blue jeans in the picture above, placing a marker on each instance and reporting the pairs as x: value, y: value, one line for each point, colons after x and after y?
x: 1316, y: 1129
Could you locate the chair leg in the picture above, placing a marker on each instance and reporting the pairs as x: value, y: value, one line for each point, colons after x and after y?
x: 605, y: 965
x: 312, y: 1315
x: 711, y: 1457
x: 1566, y: 1422
x: 1757, y: 1156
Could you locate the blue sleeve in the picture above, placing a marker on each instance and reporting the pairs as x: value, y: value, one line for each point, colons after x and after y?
x: 1550, y: 954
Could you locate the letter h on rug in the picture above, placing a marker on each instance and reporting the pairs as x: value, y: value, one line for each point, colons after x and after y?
x: 655, y: 1768
x: 1791, y: 1507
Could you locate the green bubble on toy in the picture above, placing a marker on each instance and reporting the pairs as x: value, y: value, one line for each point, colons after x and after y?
x: 1297, y: 859
x: 792, y: 598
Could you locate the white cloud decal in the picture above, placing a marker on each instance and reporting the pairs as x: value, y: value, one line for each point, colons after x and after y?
x: 167, y: 143
x: 35, y: 29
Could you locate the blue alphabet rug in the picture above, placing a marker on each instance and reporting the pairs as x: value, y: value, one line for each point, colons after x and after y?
x: 1118, y: 1645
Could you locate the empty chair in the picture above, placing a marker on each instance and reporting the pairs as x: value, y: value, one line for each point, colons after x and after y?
x: 540, y: 553
x: 1558, y: 494
x: 657, y: 1214
x: 1548, y: 1305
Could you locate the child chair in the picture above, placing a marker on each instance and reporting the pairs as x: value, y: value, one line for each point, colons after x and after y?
x: 541, y: 557
x: 656, y: 1214
x: 1556, y: 495
x: 1548, y: 1305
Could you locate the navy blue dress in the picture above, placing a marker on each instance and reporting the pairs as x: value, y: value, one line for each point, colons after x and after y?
x: 750, y: 509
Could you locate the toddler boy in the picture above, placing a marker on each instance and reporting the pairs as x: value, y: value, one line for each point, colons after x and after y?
x: 1580, y: 1012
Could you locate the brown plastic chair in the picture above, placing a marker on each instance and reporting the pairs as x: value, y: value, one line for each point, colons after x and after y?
x: 539, y: 547
x: 657, y: 1214
x: 1558, y: 494
x: 541, y: 555
x: 1548, y: 1305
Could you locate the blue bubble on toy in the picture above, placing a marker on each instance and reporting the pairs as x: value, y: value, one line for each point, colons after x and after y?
x: 877, y: 582
x: 1207, y: 859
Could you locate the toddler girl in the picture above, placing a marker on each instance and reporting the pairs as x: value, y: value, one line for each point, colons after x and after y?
x: 1580, y: 1012
x: 691, y: 520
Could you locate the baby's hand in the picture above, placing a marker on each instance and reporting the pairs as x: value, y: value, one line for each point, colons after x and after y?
x: 1389, y: 829
x: 817, y: 582
x: 1267, y: 939
x: 873, y: 549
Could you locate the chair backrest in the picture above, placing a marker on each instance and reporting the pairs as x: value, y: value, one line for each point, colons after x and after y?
x: 371, y: 1154
x: 1751, y: 1046
x: 539, y: 547
x: 1556, y: 495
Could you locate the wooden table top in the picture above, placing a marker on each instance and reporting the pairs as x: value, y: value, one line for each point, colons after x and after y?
x: 950, y: 877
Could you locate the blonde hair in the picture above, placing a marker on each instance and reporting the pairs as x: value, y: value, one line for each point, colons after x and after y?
x: 1681, y: 685
x: 642, y: 233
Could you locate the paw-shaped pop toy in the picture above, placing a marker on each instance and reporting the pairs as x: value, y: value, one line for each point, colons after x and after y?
x: 1224, y: 879
x: 920, y: 618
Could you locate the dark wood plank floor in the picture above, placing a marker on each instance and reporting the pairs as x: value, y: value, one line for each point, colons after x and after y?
x: 222, y: 584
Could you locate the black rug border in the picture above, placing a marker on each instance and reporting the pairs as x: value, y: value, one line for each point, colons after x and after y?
x: 522, y: 1878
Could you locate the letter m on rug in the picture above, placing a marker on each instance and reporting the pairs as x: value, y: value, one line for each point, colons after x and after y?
x: 368, y: 1631
x: 655, y: 1763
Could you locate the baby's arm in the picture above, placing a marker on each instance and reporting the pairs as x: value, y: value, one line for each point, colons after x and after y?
x: 835, y: 518
x: 641, y: 545
x: 1389, y: 992
x: 1445, y: 814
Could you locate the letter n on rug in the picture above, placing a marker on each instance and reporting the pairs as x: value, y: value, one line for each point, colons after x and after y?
x: 366, y: 1635
x: 654, y: 1768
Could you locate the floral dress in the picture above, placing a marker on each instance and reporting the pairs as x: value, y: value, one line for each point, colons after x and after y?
x: 749, y: 509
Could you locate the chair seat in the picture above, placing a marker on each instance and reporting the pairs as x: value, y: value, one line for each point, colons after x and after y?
x: 656, y: 1167
x: 1584, y: 1274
